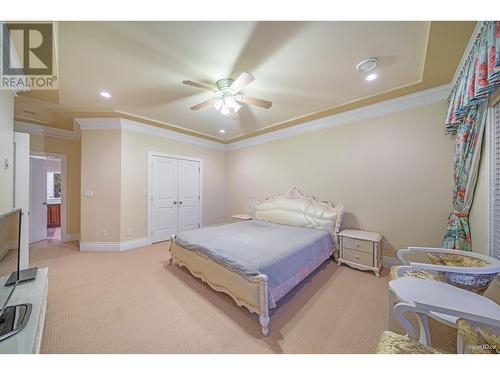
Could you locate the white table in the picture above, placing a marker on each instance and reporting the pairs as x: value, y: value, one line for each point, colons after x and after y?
x: 427, y: 297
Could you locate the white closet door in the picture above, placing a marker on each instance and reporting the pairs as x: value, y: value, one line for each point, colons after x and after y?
x: 38, y: 200
x: 189, y: 195
x: 164, y: 198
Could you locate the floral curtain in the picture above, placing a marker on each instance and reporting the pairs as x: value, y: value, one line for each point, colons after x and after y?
x: 466, y: 119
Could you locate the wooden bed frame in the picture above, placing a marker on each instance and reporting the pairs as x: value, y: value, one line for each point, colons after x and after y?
x: 252, y: 292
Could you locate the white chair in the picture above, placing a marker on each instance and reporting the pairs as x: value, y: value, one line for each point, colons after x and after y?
x: 475, y: 273
x: 480, y: 325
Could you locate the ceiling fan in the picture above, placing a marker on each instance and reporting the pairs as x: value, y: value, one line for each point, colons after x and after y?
x: 227, y: 97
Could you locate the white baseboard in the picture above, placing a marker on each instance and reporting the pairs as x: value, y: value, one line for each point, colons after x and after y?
x: 388, y: 262
x: 71, y: 237
x: 134, y: 244
x: 114, y: 246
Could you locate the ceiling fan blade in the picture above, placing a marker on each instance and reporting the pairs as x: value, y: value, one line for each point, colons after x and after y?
x: 240, y: 82
x: 198, y: 85
x: 258, y: 102
x: 234, y: 115
x: 202, y: 105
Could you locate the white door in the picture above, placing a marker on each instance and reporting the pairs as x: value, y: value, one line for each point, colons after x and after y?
x: 38, y: 199
x: 189, y: 195
x: 164, y: 198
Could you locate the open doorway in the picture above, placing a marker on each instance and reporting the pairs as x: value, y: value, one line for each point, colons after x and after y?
x: 47, y: 216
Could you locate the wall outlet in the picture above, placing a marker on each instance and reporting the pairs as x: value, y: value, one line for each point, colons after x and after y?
x: 104, y: 233
x: 88, y: 193
x: 129, y: 232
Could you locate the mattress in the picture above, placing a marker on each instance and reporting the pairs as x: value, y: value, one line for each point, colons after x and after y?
x: 285, y: 254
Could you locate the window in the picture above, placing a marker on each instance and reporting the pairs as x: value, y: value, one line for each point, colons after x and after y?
x: 495, y: 182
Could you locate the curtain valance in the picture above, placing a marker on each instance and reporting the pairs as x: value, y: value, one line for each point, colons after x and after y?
x: 480, y: 75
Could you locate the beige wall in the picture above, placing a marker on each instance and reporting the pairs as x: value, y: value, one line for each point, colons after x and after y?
x: 6, y: 150
x: 114, y: 166
x: 100, y: 173
x: 393, y: 173
x: 70, y: 148
x: 135, y: 148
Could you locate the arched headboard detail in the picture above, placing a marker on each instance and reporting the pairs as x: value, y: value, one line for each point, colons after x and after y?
x: 301, y: 210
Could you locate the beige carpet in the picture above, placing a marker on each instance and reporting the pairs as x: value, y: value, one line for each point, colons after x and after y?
x: 134, y: 302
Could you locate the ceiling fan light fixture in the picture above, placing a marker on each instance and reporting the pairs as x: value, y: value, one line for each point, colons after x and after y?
x: 226, y: 98
x: 224, y: 110
x: 218, y: 104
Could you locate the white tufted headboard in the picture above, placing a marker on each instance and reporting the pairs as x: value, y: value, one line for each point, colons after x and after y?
x: 297, y: 209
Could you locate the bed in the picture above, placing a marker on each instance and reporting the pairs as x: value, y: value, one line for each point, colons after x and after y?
x: 257, y: 262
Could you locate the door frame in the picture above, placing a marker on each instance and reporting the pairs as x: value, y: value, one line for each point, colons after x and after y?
x: 151, y: 154
x: 64, y: 188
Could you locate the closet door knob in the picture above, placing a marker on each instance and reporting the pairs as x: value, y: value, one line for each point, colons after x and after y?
x: 175, y: 203
x: 180, y: 202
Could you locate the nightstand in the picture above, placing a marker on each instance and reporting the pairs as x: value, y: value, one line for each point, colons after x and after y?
x: 361, y: 250
x: 242, y: 217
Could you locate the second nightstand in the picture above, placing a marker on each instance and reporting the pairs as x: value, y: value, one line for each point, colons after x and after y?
x: 361, y: 250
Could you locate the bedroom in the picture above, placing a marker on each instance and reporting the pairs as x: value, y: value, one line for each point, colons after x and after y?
x: 251, y: 187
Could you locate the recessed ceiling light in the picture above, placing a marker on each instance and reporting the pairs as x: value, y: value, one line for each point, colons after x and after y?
x: 367, y: 65
x: 371, y: 77
x: 105, y: 94
x: 222, y: 131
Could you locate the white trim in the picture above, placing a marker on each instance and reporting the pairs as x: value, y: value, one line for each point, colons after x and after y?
x: 108, y: 123
x: 26, y: 127
x: 64, y: 191
x: 164, y: 133
x: 150, y: 165
x: 133, y: 244
x: 388, y: 262
x: 126, y: 124
x: 418, y: 99
x: 114, y: 246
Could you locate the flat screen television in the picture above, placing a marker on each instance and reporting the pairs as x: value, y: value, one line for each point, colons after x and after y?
x: 12, y: 318
x: 10, y: 239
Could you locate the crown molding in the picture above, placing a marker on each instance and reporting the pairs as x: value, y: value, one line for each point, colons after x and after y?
x: 98, y: 123
x: 139, y: 127
x: 49, y: 131
x: 170, y: 134
x: 402, y: 103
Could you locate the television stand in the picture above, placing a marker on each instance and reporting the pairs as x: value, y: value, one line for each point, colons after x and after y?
x: 25, y: 275
x: 28, y: 339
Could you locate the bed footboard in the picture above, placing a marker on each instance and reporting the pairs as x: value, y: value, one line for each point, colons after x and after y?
x: 250, y: 292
